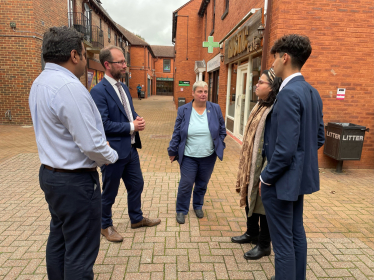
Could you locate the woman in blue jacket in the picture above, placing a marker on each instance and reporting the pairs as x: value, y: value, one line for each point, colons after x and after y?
x: 198, y: 139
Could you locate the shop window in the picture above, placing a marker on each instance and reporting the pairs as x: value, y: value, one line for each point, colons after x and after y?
x: 167, y: 66
x: 226, y: 9
x: 213, y: 86
x: 213, y: 17
x: 234, y: 71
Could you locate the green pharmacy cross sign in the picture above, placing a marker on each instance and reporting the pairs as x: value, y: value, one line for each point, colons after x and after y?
x: 210, y: 44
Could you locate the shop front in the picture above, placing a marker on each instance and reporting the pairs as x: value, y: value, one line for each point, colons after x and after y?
x: 243, y: 55
x: 165, y: 86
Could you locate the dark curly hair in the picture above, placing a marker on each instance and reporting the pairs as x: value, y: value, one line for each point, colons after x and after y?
x: 58, y: 42
x: 295, y: 45
x: 275, y: 83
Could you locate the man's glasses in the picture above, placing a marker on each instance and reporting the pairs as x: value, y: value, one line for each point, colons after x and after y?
x: 123, y: 62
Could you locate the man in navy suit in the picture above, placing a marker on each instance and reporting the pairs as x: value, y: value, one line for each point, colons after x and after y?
x: 294, y: 132
x: 122, y: 125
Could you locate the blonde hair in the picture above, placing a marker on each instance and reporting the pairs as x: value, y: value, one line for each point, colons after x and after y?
x: 199, y: 84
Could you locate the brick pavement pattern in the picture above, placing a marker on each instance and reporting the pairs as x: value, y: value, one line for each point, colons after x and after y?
x: 338, y: 218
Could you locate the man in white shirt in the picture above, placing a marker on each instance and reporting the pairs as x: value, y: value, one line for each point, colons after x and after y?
x: 71, y: 144
x: 122, y: 125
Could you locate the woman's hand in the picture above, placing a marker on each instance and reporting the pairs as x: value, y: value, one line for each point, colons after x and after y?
x: 171, y: 158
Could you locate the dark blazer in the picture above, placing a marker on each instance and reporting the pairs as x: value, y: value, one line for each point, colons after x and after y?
x: 216, y: 126
x: 294, y: 132
x: 115, y: 121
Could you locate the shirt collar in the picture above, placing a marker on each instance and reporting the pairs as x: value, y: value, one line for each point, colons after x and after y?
x: 56, y: 67
x: 112, y: 81
x: 289, y: 78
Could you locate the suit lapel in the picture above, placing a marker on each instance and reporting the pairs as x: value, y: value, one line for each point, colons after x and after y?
x: 109, y: 88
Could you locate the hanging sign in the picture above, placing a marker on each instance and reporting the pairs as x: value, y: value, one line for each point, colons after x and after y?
x: 244, y: 41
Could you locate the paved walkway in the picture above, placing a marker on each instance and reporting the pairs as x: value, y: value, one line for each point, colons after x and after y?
x: 338, y: 219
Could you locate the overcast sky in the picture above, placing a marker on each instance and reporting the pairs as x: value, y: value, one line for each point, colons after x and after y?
x: 151, y: 19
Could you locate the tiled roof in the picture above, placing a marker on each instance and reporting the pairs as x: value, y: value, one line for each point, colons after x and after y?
x: 163, y: 51
x: 133, y: 39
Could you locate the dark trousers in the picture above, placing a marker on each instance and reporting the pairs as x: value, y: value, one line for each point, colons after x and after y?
x: 74, y: 202
x: 253, y: 229
x: 129, y: 170
x: 285, y: 219
x: 139, y: 95
x: 198, y: 171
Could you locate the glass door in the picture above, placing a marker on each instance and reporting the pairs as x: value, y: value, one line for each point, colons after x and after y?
x: 242, y: 98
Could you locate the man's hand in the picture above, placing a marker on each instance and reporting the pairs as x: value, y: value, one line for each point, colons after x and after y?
x: 259, y: 188
x: 139, y: 124
x: 171, y: 158
x: 107, y: 142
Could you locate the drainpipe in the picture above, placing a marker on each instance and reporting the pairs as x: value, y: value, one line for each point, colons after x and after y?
x: 145, y: 77
x: 267, y: 18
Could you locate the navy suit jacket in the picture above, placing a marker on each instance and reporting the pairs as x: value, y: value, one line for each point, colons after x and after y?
x: 216, y: 126
x: 115, y: 121
x: 294, y: 132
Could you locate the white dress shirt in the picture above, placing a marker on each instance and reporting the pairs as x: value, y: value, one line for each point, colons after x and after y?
x: 284, y: 83
x: 113, y: 83
x: 68, y: 127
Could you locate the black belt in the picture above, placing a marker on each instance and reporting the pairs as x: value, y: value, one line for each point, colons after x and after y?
x: 80, y: 170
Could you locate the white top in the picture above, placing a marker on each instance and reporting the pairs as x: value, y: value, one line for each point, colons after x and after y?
x: 68, y: 127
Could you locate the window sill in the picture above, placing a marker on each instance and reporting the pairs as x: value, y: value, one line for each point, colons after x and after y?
x: 225, y: 14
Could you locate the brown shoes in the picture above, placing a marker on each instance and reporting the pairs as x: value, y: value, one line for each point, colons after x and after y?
x: 111, y: 234
x: 146, y: 223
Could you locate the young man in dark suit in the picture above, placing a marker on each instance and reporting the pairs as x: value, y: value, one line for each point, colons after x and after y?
x: 122, y: 125
x: 294, y: 132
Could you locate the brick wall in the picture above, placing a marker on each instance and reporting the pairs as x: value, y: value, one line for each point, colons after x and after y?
x: 343, y: 55
x: 140, y: 69
x: 21, y: 53
x: 187, y: 53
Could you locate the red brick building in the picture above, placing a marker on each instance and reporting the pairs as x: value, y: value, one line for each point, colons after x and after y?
x: 150, y: 66
x: 22, y: 26
x: 140, y: 65
x: 21, y: 32
x: 164, y: 65
x: 343, y: 57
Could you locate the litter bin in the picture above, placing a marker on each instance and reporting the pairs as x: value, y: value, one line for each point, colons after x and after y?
x: 181, y: 101
x: 344, y: 141
x: 142, y: 95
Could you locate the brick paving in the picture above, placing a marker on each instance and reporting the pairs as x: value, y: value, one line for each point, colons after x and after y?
x: 338, y: 218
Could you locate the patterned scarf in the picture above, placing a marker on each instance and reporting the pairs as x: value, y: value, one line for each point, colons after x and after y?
x: 242, y: 179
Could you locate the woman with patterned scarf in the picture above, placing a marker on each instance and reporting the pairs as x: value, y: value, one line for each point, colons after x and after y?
x: 251, y: 164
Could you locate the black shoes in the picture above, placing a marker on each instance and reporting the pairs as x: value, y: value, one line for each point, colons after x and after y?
x: 245, y: 238
x: 199, y: 213
x: 257, y: 253
x: 180, y: 218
